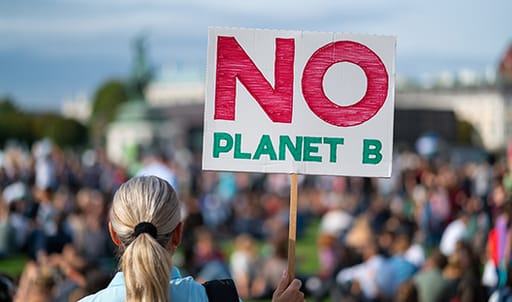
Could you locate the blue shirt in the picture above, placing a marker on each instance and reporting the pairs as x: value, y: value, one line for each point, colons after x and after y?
x: 181, y: 290
x: 393, y: 273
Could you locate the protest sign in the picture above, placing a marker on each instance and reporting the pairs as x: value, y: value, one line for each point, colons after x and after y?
x: 299, y: 102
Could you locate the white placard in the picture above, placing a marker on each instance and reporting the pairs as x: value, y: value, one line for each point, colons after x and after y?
x: 299, y: 102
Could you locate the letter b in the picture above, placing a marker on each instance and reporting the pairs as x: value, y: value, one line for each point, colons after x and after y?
x: 371, y: 151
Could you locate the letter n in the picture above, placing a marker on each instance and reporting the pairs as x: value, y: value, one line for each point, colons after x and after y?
x: 234, y: 63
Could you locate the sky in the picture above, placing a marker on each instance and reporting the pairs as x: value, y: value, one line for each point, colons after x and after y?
x: 52, y: 50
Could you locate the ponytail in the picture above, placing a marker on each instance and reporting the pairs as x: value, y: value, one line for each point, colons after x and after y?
x: 145, y: 213
x: 146, y: 266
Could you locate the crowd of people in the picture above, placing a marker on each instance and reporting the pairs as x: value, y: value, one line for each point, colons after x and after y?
x: 434, y: 231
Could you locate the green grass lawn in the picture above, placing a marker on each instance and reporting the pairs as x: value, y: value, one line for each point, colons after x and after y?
x: 306, y: 250
x: 13, y: 265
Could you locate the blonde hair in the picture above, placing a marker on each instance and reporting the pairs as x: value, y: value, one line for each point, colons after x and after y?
x: 146, y: 262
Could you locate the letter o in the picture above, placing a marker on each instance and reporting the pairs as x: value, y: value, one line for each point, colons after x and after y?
x: 337, y: 52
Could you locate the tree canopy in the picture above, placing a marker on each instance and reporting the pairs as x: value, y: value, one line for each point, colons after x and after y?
x: 106, y: 102
x: 30, y: 127
x: 107, y: 99
x: 7, y: 105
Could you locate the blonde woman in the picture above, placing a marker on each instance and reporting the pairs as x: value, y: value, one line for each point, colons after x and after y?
x: 145, y: 224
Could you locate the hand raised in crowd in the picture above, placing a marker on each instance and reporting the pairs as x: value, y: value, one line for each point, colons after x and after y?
x: 288, y: 292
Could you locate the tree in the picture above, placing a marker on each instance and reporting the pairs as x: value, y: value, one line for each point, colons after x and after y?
x: 65, y: 132
x: 15, y: 125
x: 7, y: 105
x: 29, y: 127
x: 106, y: 101
x: 107, y: 98
x: 467, y: 134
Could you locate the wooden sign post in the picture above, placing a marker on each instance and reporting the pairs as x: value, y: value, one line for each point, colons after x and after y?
x: 299, y: 102
x: 292, y: 228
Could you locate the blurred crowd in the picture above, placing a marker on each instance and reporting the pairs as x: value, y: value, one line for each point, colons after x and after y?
x: 434, y: 231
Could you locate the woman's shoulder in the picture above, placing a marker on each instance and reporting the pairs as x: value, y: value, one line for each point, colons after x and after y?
x: 115, y: 291
x: 187, y: 289
x: 185, y: 282
x: 182, y: 289
x: 111, y: 294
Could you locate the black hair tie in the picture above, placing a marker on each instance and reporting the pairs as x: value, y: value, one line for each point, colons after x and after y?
x: 145, y: 227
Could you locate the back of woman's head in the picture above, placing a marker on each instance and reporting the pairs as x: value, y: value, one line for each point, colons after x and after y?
x: 145, y: 212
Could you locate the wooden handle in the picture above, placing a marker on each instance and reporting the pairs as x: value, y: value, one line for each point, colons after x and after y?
x: 292, y: 234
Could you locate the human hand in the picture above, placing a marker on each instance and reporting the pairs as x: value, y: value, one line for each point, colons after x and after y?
x: 288, y: 292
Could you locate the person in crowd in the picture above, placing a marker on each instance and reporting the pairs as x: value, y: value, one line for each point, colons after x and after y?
x: 145, y: 224
x: 455, y: 231
x: 243, y: 263
x: 470, y: 288
x: 429, y: 281
x: 268, y: 277
x: 361, y: 280
x: 435, y: 211
x: 396, y: 269
x: 499, y: 245
x: 209, y: 259
x: 47, y: 223
x: 45, y: 172
x: 452, y: 274
x: 407, y: 292
x: 154, y: 163
x: 6, y: 231
x: 94, y: 280
x: 15, y: 198
x: 337, y: 220
x: 192, y: 219
x: 36, y: 283
x: 504, y: 292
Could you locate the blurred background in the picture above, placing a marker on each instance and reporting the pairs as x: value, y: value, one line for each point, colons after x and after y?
x: 92, y: 93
